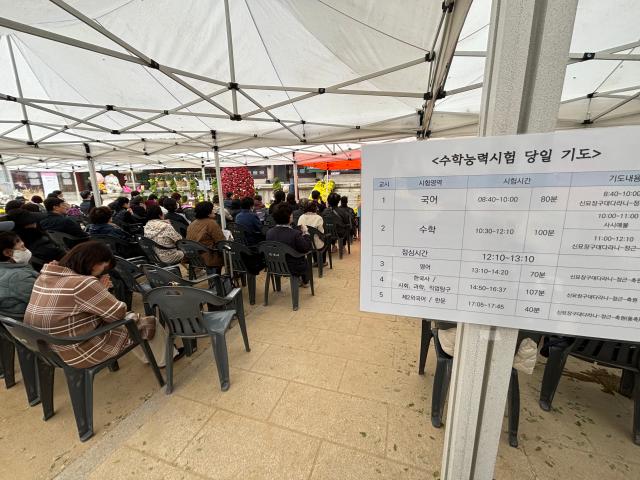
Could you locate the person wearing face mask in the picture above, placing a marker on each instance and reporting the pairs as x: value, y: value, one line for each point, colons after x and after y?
x: 71, y: 298
x: 16, y: 275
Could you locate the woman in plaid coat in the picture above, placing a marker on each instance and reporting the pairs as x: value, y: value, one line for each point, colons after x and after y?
x: 71, y: 298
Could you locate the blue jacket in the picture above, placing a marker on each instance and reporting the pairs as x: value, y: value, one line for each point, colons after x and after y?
x: 252, y: 226
x: 16, y: 283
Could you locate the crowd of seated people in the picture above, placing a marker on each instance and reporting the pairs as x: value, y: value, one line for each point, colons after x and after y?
x: 70, y: 295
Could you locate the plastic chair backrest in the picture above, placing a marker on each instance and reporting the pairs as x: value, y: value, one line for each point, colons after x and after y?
x: 128, y: 273
x: 179, y: 227
x: 238, y: 232
x: 275, y: 255
x: 118, y: 246
x: 181, y: 308
x: 36, y: 340
x: 148, y: 246
x: 269, y: 221
x: 159, y: 277
x: 64, y: 240
x: 315, y: 233
x: 234, y: 251
x: 192, y: 252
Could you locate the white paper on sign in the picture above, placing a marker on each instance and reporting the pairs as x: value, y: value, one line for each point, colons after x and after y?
x: 538, y: 232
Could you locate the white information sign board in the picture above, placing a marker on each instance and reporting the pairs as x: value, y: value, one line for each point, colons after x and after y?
x: 49, y: 182
x: 538, y: 232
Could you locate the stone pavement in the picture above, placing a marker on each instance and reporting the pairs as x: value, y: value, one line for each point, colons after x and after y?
x: 327, y: 392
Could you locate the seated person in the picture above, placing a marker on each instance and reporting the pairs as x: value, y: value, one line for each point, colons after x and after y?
x: 162, y: 232
x: 35, y: 239
x: 235, y: 208
x: 278, y: 197
x: 71, y: 298
x: 331, y: 215
x: 101, y: 224
x: 310, y: 218
x: 291, y: 200
x: 250, y: 221
x: 138, y: 210
x: 172, y: 213
x: 205, y: 230
x: 258, y: 202
x: 87, y: 202
x: 293, y: 237
x: 347, y: 213
x: 13, y: 205
x: 17, y: 276
x: 57, y: 219
x: 316, y: 197
x: 216, y: 209
x: 37, y: 199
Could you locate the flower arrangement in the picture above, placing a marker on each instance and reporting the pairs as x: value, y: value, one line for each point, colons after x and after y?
x: 238, y: 180
x: 325, y: 188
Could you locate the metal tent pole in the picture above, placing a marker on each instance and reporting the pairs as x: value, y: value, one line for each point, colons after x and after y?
x: 295, y: 177
x: 7, y: 175
x: 92, y: 176
x: 75, y: 182
x: 525, y: 68
x: 223, y: 220
x: 133, y: 177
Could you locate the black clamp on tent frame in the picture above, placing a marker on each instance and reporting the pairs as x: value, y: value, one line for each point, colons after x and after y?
x: 321, y: 91
x: 588, y: 121
x: 447, y: 8
x: 235, y: 118
x: 11, y: 98
x: 115, y: 132
x: 233, y: 86
x: 588, y: 56
x: 33, y: 144
x: 24, y: 122
x: 430, y: 56
x: 109, y: 108
x: 154, y: 64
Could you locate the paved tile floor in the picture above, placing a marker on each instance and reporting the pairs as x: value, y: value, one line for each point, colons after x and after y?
x: 327, y: 392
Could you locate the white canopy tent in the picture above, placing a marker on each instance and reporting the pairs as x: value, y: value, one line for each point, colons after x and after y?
x: 137, y: 84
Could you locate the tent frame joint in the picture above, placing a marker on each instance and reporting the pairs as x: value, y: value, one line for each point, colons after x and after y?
x: 588, y: 56
x: 153, y: 64
x: 233, y: 86
x: 235, y: 117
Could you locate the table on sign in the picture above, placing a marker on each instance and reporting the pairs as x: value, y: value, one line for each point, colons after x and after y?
x: 554, y: 246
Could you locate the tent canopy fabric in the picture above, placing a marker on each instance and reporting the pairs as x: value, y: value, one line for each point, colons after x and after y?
x: 349, y: 160
x: 133, y: 82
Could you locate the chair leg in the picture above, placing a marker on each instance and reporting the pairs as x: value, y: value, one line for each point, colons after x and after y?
x: 45, y: 385
x: 243, y: 279
x: 7, y: 353
x: 251, y: 284
x: 80, y: 384
x: 552, y: 372
x: 636, y: 410
x: 310, y: 269
x: 425, y: 339
x: 266, y: 289
x: 278, y: 280
x: 440, y: 390
x: 330, y: 258
x: 627, y: 383
x: 190, y: 346
x: 340, y: 248
x: 168, y: 364
x: 222, y: 360
x: 243, y: 330
x: 295, y: 291
x: 134, y: 333
x: 514, y: 408
x: 29, y: 371
x: 114, y: 367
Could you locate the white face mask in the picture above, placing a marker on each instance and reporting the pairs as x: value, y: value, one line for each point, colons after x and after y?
x: 21, y: 256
